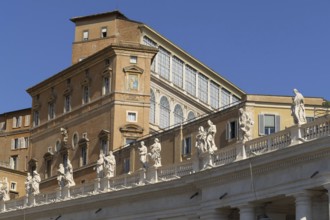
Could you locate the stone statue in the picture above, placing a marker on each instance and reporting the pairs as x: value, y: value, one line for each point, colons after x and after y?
x: 110, y: 165
x: 35, y: 183
x: 201, y: 144
x: 61, y: 175
x: 155, y: 150
x: 27, y: 183
x: 245, y: 125
x: 143, y: 152
x: 298, y: 108
x: 210, y: 137
x: 69, y: 175
x: 100, y: 166
x: 65, y: 137
x: 4, y: 190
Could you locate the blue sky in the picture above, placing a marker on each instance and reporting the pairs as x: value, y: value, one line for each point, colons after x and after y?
x: 264, y: 47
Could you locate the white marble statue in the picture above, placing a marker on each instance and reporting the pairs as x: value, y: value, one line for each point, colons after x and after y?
x: 155, y: 150
x: 65, y: 137
x: 35, y: 182
x: 245, y: 125
x: 201, y: 144
x: 110, y: 165
x: 100, y: 166
x: 69, y: 175
x: 27, y: 184
x: 4, y: 190
x: 210, y: 137
x: 298, y: 108
x: 143, y: 152
x: 61, y: 175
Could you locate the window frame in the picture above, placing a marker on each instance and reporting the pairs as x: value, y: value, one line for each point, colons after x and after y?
x: 128, y: 118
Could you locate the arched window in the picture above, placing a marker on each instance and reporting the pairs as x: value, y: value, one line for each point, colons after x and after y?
x: 191, y: 116
x: 152, y: 107
x: 178, y: 114
x: 164, y: 119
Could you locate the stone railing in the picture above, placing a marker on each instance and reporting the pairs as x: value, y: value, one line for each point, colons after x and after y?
x: 238, y: 151
x: 4, y: 164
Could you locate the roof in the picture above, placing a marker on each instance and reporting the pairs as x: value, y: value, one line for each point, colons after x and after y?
x: 116, y: 13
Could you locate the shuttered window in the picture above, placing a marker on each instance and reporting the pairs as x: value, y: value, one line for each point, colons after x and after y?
x: 269, y: 124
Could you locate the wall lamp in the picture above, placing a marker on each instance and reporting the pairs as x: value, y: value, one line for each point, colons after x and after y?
x: 223, y: 196
x: 314, y: 174
x: 58, y: 217
x: 97, y: 211
x: 196, y: 194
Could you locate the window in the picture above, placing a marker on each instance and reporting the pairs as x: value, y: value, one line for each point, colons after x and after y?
x: 164, y: 119
x: 126, y: 165
x: 129, y: 141
x: 186, y: 146
x: 214, y: 95
x: 85, y: 94
x: 152, y: 107
x: 83, y: 155
x: 15, y: 143
x: 178, y: 114
x: 191, y: 116
x: 268, y: 124
x: 36, y: 118
x: 104, y: 146
x: 48, y: 170
x: 190, y: 81
x: 58, y: 146
x: 17, y: 121
x: 133, y: 59
x: 309, y: 119
x: 85, y: 35
x: 235, y: 99
x: 203, y: 88
x: 104, y: 32
x: 164, y: 63
x: 177, y: 72
x: 106, y: 85
x: 131, y: 116
x: 65, y: 160
x: 225, y: 98
x: 51, y: 111
x: 27, y: 120
x: 150, y: 43
x: 14, y: 162
x: 232, y: 130
x: 67, y: 103
x: 2, y: 126
x: 13, y: 186
x: 75, y: 139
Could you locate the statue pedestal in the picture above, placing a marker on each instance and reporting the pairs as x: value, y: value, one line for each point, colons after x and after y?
x: 240, y: 151
x: 58, y: 193
x: 207, y: 160
x: 142, y: 176
x: 31, y: 200
x: 97, y: 184
x: 2, y: 206
x: 296, y: 135
x: 65, y: 192
x: 152, y: 174
x: 105, y: 184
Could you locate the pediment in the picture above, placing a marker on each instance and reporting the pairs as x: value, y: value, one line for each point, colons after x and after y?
x: 133, y: 69
x: 104, y: 133
x: 131, y: 128
x: 107, y: 72
x: 48, y: 156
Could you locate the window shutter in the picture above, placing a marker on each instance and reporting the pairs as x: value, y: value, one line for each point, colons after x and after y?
x: 11, y: 163
x: 23, y: 144
x: 261, y: 124
x: 13, y: 144
x: 227, y: 130
x: 20, y: 121
x: 236, y: 130
x: 2, y: 126
x: 14, y: 122
x: 27, y: 120
x: 277, y: 123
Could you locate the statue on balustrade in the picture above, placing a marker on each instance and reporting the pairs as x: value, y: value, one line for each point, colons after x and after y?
x: 245, y: 125
x: 110, y: 165
x: 65, y: 137
x: 35, y: 182
x: 69, y: 181
x: 298, y: 108
x: 155, y: 150
x: 205, y: 140
x: 27, y: 183
x: 100, y: 166
x: 143, y: 152
x: 4, y: 190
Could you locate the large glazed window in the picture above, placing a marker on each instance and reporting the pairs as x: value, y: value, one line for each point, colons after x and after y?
x: 164, y: 119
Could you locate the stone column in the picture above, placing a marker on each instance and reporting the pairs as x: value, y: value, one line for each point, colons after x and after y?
x: 303, y: 205
x: 247, y: 212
